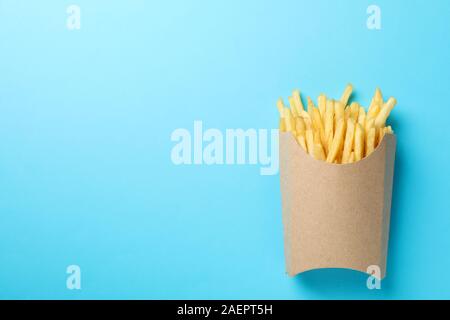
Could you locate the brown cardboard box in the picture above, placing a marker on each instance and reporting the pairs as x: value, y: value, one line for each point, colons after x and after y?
x: 334, y: 215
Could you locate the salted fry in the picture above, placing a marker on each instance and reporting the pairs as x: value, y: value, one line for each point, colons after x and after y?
x: 292, y: 106
x: 351, y: 159
x: 322, y: 105
x: 369, y: 124
x: 362, y: 116
x: 316, y: 136
x: 347, y: 113
x: 337, y: 141
x: 319, y: 153
x: 348, y: 142
x: 378, y: 95
x: 329, y: 143
x: 300, y: 126
x: 317, y: 120
x: 366, y: 131
x: 301, y: 141
x: 359, y: 142
x: 289, y: 120
x: 354, y: 111
x: 370, y: 141
x: 384, y: 113
x: 282, y: 126
x: 375, y: 105
x: 298, y: 104
x: 304, y: 114
x: 339, y: 112
x: 280, y: 106
x: 346, y: 95
x: 373, y: 112
x: 329, y: 118
x: 310, y: 141
x: 311, y: 107
x: 308, y: 122
x: 380, y: 132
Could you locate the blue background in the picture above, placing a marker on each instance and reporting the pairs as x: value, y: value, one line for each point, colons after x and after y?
x: 85, y: 121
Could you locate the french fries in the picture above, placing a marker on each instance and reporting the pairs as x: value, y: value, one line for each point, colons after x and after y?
x: 289, y: 120
x: 346, y: 95
x: 382, y: 116
x: 348, y: 142
x: 337, y: 141
x: 319, y: 153
x: 322, y: 102
x: 310, y: 141
x: 359, y: 142
x: 297, y: 102
x: 329, y: 119
x: 336, y: 131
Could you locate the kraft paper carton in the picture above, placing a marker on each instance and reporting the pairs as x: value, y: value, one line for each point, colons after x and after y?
x: 334, y: 215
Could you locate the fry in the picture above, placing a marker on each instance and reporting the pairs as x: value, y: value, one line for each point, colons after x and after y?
x: 319, y: 125
x: 311, y: 107
x: 304, y: 114
x: 329, y: 118
x: 375, y: 105
x: 316, y: 136
x: 289, y: 120
x: 337, y: 141
x: 370, y: 141
x: 362, y: 116
x: 359, y: 142
x: 300, y: 126
x: 373, y: 112
x: 369, y: 124
x: 322, y: 104
x: 310, y: 141
x: 319, y: 153
x: 280, y: 106
x: 292, y: 106
x: 354, y: 111
x: 347, y: 113
x: 351, y: 159
x: 367, y: 129
x: 282, y: 126
x: 329, y: 143
x: 384, y: 113
x: 298, y: 102
x: 349, y: 138
x: 378, y: 96
x: 346, y: 95
x: 308, y: 122
x: 301, y: 141
x: 339, y: 112
x: 381, y: 132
